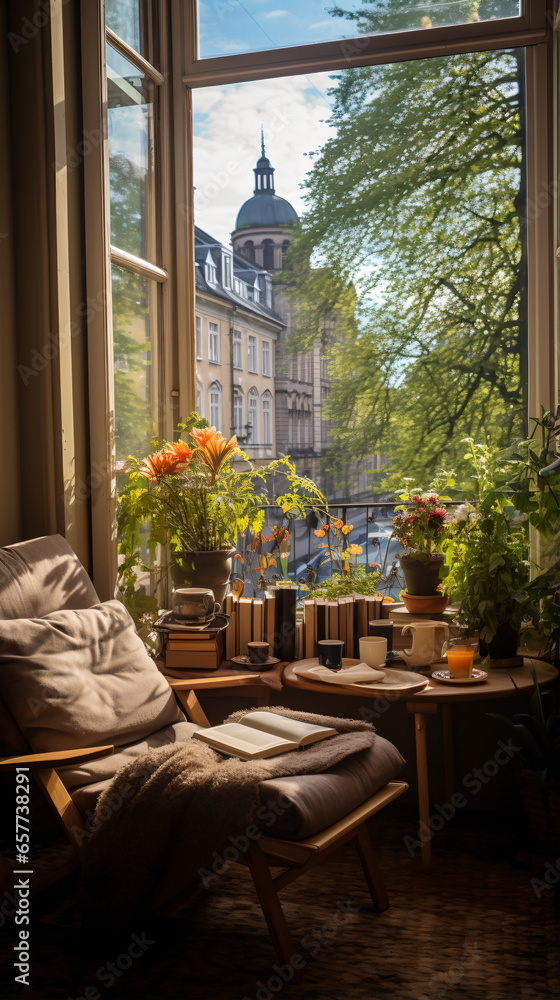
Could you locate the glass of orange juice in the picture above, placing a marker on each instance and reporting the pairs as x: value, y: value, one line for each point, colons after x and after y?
x: 460, y: 656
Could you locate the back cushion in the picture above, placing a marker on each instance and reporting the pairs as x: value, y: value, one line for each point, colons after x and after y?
x: 40, y: 576
x: 79, y: 678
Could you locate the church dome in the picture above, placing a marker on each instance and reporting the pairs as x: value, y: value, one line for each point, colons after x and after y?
x: 265, y: 208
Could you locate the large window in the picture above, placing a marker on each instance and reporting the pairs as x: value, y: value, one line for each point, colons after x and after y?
x: 199, y: 338
x: 133, y: 141
x: 267, y: 417
x: 266, y: 364
x: 216, y: 405
x: 237, y: 411
x: 237, y: 350
x: 252, y: 356
x: 253, y: 416
x: 214, y: 342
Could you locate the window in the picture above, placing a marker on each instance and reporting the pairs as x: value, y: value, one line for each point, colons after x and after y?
x: 199, y: 398
x: 226, y: 270
x: 199, y: 338
x: 267, y: 417
x: 210, y: 271
x: 214, y: 343
x: 253, y: 363
x: 237, y: 411
x: 216, y: 405
x: 268, y: 255
x: 253, y: 416
x: 248, y: 250
x: 237, y: 352
x: 266, y: 368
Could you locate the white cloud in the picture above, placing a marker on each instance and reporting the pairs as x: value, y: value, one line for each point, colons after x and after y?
x: 276, y: 13
x: 292, y: 111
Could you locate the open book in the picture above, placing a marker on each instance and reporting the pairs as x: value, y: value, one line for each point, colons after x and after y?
x: 262, y: 734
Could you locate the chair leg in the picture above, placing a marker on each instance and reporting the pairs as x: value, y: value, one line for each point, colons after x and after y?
x: 371, y: 871
x: 268, y: 898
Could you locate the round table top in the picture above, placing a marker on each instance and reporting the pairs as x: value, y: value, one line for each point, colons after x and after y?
x: 502, y: 682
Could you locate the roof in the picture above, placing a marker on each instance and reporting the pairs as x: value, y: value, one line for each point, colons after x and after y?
x: 266, y: 210
x: 206, y: 247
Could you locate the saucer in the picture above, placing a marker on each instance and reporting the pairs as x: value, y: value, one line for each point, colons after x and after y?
x: 244, y: 661
x: 476, y: 677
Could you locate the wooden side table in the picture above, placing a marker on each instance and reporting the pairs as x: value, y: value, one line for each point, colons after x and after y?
x: 501, y: 683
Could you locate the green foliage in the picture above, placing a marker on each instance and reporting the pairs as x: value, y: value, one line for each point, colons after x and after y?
x: 358, y: 581
x: 414, y: 227
x: 538, y: 732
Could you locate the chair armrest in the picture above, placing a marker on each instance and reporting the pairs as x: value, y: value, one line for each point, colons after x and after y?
x: 54, y: 758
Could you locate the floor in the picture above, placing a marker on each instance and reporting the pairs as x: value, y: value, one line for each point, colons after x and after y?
x: 480, y: 927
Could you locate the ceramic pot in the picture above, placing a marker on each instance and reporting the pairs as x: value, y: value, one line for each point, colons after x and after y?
x: 422, y: 578
x: 204, y: 569
x: 502, y: 649
x: 427, y: 604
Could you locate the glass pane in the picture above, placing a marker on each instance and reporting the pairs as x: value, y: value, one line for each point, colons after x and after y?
x: 248, y: 26
x: 134, y: 305
x: 131, y: 154
x: 126, y: 19
x: 394, y: 201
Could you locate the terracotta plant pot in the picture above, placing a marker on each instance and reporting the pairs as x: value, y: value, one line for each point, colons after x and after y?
x: 502, y: 649
x: 209, y: 569
x: 422, y: 578
x: 431, y: 604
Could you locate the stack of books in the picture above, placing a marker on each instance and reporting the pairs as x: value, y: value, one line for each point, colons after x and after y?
x: 251, y: 619
x: 193, y: 650
x: 346, y: 618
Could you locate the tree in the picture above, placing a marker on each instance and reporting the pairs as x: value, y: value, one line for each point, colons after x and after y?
x: 417, y: 201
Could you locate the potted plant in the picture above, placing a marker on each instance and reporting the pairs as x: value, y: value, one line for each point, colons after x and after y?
x: 421, y: 525
x: 194, y: 499
x: 347, y: 576
x: 538, y: 733
x: 499, y: 592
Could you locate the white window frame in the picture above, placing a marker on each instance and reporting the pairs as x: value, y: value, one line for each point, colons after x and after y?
x: 237, y: 350
x: 252, y: 354
x: 267, y: 417
x: 227, y: 270
x: 199, y: 354
x: 214, y: 347
x: 215, y: 397
x: 253, y: 415
x: 267, y: 358
x: 237, y: 411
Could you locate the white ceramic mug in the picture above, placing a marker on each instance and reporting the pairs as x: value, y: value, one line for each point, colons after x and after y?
x: 373, y: 650
x: 194, y: 604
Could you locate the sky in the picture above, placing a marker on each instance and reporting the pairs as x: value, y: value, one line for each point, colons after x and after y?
x: 228, y: 26
x: 227, y: 127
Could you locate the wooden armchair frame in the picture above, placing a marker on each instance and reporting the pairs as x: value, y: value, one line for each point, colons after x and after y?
x: 293, y: 858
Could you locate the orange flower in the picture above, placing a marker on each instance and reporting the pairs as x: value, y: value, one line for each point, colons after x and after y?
x: 161, y: 464
x: 213, y: 448
x: 338, y: 523
x: 319, y: 533
x: 181, y: 451
x: 347, y: 528
x: 354, y: 550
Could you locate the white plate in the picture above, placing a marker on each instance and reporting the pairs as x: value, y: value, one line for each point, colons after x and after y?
x: 476, y: 677
x: 394, y: 680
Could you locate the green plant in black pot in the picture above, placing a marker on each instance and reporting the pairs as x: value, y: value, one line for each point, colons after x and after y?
x: 537, y: 732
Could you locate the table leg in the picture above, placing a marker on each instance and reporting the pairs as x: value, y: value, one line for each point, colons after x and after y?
x: 448, y: 758
x: 423, y: 789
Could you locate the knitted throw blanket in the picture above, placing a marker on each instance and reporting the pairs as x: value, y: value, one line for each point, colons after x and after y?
x: 166, y: 815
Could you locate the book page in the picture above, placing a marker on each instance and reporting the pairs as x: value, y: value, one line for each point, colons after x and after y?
x: 243, y: 738
x: 285, y: 728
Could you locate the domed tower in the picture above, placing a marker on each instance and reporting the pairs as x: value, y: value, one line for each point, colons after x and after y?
x: 263, y: 227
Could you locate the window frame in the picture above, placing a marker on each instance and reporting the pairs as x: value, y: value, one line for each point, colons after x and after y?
x: 215, y: 387
x: 253, y: 409
x: 266, y: 398
x: 237, y: 343
x: 252, y: 354
x: 214, y: 357
x: 266, y: 350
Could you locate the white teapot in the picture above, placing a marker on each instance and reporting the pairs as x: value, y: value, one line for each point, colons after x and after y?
x: 428, y: 638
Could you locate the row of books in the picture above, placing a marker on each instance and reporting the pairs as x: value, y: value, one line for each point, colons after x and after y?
x: 347, y: 619
x: 270, y: 618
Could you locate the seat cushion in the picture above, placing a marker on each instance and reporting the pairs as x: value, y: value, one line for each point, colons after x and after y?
x: 292, y: 808
x: 80, y: 678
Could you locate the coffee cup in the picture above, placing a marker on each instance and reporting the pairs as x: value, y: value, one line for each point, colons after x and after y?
x: 330, y: 653
x: 373, y: 650
x: 194, y: 604
x: 258, y: 652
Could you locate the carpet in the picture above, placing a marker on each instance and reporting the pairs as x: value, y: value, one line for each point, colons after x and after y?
x: 477, y: 928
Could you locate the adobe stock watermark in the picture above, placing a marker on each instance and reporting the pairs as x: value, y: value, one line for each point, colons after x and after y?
x: 441, y: 982
x: 310, y: 945
x: 39, y: 360
x: 473, y: 782
x: 240, y: 844
x: 30, y: 26
x: 550, y: 878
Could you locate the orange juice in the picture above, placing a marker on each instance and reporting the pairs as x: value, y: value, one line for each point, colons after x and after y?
x: 460, y: 661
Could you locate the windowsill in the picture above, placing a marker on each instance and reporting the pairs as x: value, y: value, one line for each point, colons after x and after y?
x: 253, y: 371
x: 199, y: 357
x: 267, y: 375
x: 238, y: 368
x: 214, y: 362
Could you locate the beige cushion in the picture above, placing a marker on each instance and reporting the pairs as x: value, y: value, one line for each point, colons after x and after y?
x: 40, y: 576
x: 79, y: 678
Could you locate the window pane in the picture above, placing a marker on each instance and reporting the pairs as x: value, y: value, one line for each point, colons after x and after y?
x: 134, y: 308
x: 131, y: 154
x: 248, y: 26
x: 126, y: 19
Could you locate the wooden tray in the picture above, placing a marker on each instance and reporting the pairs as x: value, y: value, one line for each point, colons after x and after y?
x: 394, y: 680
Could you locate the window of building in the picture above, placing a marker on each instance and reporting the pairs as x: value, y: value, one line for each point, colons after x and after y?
x: 214, y: 342
x: 199, y: 338
x: 237, y: 350
x: 216, y: 405
x: 226, y: 270
x: 253, y: 363
x: 253, y: 416
x: 268, y: 255
x: 199, y: 403
x: 267, y: 417
x: 266, y: 364
x: 210, y: 271
x: 249, y: 250
x: 237, y: 411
